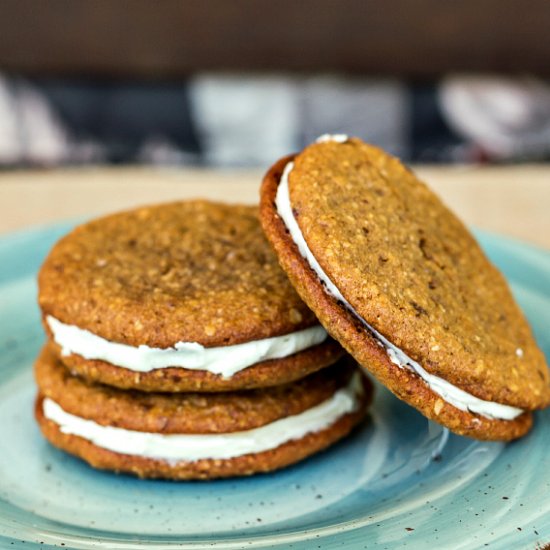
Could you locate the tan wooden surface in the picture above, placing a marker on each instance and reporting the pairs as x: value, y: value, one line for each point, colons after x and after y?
x: 513, y: 200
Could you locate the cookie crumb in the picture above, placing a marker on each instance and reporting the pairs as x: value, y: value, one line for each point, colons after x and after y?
x: 210, y: 330
x: 295, y: 316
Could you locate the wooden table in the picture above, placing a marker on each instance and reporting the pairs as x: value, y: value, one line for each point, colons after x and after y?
x: 512, y: 200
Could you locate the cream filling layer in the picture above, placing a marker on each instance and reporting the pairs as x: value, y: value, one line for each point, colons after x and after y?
x: 192, y: 447
x: 453, y: 395
x: 338, y: 138
x: 225, y: 360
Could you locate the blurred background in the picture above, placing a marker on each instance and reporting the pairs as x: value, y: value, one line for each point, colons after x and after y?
x: 239, y: 83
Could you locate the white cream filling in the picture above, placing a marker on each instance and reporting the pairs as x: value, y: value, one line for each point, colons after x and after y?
x: 339, y: 138
x: 192, y: 447
x: 453, y: 395
x: 224, y: 360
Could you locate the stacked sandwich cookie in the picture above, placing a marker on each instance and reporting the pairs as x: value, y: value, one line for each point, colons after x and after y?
x: 398, y: 280
x: 177, y: 348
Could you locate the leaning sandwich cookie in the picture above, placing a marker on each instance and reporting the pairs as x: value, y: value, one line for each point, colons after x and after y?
x: 198, y: 436
x: 185, y: 296
x: 398, y: 280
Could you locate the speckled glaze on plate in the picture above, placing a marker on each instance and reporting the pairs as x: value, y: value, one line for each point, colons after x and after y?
x: 397, y: 482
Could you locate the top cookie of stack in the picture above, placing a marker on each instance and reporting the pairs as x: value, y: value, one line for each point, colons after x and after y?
x: 177, y: 297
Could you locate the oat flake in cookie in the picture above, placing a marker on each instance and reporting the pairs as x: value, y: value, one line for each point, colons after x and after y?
x: 399, y: 281
x: 185, y: 296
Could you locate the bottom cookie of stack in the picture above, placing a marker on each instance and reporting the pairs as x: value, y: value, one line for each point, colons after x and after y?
x: 198, y: 435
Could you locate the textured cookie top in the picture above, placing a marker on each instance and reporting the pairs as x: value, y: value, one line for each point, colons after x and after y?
x: 412, y: 271
x: 187, y: 271
x: 186, y: 412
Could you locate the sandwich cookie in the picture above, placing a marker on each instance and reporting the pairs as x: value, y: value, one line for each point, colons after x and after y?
x: 399, y: 281
x: 185, y: 296
x: 198, y: 435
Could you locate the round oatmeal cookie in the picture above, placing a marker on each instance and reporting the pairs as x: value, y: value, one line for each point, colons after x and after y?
x: 173, y: 379
x: 134, y: 414
x: 399, y: 281
x: 184, y: 296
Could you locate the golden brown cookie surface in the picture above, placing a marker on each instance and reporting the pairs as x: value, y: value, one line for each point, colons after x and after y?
x: 191, y: 271
x: 413, y: 272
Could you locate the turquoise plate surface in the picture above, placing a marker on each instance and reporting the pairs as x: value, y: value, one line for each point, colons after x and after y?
x: 397, y: 482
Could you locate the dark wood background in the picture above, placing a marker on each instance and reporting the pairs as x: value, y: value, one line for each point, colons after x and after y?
x: 169, y: 38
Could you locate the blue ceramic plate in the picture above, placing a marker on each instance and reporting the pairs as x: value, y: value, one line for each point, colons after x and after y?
x: 399, y: 481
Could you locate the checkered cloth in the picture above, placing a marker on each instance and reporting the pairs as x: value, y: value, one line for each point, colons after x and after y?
x: 224, y: 120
